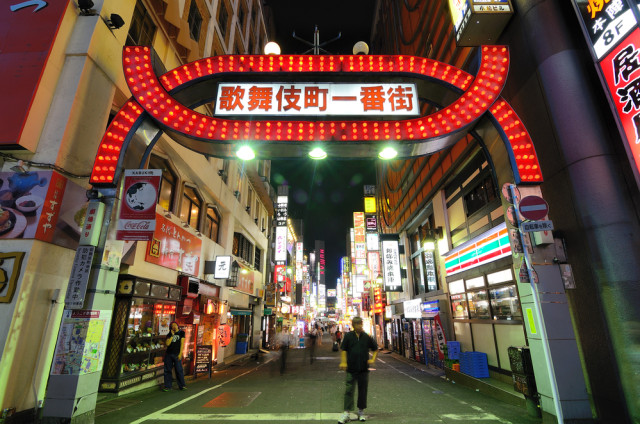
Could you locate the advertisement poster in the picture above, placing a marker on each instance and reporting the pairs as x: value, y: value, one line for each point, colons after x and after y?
x: 173, y: 247
x: 23, y: 58
x: 621, y: 69
x: 138, y: 205
x: 82, y: 342
x: 440, y: 339
x: 41, y: 205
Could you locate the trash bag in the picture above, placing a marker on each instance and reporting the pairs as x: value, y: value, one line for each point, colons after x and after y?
x: 335, y: 347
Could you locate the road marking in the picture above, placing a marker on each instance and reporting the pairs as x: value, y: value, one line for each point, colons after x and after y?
x: 159, y: 413
x: 474, y: 417
x: 320, y: 416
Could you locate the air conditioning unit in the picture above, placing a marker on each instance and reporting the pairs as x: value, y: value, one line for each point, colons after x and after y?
x: 189, y: 286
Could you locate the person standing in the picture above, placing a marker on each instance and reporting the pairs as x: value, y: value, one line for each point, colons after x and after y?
x: 173, y: 357
x: 313, y: 336
x: 354, y: 358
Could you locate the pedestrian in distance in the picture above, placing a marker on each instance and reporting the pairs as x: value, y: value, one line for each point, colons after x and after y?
x: 283, y: 341
x: 313, y: 336
x: 354, y: 358
x: 173, y: 357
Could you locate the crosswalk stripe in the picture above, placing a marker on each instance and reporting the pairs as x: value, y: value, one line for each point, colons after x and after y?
x: 321, y: 416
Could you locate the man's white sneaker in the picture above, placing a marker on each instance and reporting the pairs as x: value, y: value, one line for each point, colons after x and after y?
x: 361, y: 417
x: 344, y: 418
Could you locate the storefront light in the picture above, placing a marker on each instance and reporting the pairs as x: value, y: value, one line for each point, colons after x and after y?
x: 429, y: 245
x: 317, y: 154
x: 245, y: 153
x: 388, y: 153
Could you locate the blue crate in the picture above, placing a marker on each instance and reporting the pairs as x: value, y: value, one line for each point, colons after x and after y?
x: 474, y: 364
x: 453, y: 349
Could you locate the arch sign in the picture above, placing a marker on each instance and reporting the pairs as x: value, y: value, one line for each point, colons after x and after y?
x: 284, y: 105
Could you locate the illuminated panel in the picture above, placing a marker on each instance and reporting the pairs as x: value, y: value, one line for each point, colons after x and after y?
x: 109, y: 151
x: 522, y: 150
x: 488, y: 247
x: 153, y: 96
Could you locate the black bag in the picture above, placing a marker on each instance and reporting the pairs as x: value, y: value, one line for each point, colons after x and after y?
x: 335, y: 346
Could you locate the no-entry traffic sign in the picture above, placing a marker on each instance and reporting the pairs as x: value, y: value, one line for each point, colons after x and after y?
x: 533, y: 208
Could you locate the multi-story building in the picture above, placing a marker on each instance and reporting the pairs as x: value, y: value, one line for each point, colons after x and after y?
x: 207, y: 207
x: 586, y: 271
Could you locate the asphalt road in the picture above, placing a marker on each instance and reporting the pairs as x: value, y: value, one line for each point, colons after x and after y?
x: 256, y: 392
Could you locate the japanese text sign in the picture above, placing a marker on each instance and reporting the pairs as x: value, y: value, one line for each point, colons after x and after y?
x: 138, y: 205
x: 621, y: 69
x: 79, y: 278
x: 606, y: 22
x: 281, y: 244
x: 223, y: 267
x: 317, y: 99
x: 174, y: 248
x: 391, y: 265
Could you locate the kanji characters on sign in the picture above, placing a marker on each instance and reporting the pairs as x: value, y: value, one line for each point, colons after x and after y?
x: 317, y: 99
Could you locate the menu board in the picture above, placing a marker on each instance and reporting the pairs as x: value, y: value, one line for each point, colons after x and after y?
x: 204, y: 357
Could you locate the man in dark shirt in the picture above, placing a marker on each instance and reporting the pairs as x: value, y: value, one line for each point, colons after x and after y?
x: 173, y: 357
x: 354, y: 358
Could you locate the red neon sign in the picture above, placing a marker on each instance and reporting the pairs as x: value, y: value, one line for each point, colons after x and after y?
x: 151, y: 97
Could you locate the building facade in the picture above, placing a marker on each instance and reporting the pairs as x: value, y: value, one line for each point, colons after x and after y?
x: 589, y: 186
x: 206, y: 208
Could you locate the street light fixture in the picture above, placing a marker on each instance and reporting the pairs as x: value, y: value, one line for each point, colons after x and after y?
x: 245, y: 153
x: 388, y: 153
x: 317, y: 154
x: 271, y: 48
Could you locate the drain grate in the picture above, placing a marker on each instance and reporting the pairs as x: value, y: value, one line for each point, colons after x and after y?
x: 114, y: 405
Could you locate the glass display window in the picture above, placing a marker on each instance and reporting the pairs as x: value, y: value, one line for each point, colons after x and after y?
x: 459, y: 306
x: 503, y: 276
x: 456, y: 287
x: 473, y: 283
x: 505, y: 303
x: 479, y: 305
x: 147, y: 326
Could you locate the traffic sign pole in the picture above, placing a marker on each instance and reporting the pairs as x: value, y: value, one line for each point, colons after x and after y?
x: 538, y: 310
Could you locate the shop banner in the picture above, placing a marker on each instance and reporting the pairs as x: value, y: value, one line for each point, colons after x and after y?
x: 440, y: 337
x: 23, y: 57
x: 79, y: 278
x: 224, y: 335
x: 82, y: 342
x: 174, y: 248
x: 138, y: 205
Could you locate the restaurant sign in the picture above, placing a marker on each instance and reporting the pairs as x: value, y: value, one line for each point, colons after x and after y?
x: 174, y: 248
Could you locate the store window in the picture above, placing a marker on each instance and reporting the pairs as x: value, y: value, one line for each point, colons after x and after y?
x: 242, y: 247
x: 195, y: 21
x: 223, y: 20
x: 191, y: 206
x: 147, y: 327
x: 459, y: 306
x: 142, y: 29
x: 167, y: 183
x: 257, y: 263
x: 505, y: 303
x: 212, y: 224
x: 478, y: 305
x: 481, y: 195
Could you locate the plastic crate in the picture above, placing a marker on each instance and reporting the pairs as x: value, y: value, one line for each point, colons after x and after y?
x: 474, y: 364
x: 453, y: 349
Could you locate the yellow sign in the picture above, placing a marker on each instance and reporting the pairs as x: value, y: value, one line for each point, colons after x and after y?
x: 532, y: 323
x: 370, y: 205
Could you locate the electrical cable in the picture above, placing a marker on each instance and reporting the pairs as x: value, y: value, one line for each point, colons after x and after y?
x: 43, y: 165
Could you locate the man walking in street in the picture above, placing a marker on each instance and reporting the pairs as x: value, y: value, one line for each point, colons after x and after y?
x: 354, y: 358
x: 173, y: 357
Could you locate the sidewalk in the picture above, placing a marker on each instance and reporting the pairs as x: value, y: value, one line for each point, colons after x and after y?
x: 489, y: 386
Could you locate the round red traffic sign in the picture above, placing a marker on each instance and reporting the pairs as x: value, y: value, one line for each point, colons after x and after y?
x: 533, y: 208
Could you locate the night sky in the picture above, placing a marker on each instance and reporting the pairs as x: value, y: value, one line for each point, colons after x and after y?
x: 325, y: 194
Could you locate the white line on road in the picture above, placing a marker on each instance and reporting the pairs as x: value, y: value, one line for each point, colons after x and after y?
x: 304, y: 417
x: 474, y: 417
x: 159, y: 414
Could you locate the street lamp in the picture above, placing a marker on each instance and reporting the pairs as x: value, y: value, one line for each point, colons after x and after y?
x: 271, y: 48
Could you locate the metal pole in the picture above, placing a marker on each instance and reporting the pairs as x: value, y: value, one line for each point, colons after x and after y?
x: 538, y: 310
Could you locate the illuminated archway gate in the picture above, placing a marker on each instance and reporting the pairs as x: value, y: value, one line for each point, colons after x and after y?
x: 158, y: 105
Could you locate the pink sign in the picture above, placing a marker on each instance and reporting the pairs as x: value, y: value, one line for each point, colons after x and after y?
x: 174, y: 248
x: 138, y: 206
